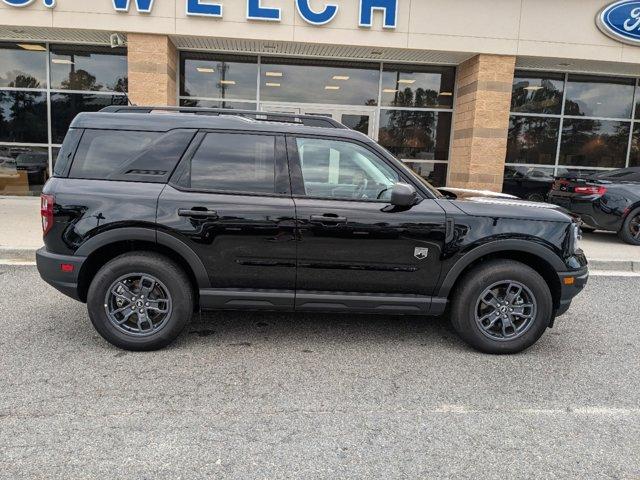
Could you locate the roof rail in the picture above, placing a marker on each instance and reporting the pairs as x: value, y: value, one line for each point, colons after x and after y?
x: 307, y: 120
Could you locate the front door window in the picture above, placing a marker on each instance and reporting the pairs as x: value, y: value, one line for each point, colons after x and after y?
x: 343, y: 170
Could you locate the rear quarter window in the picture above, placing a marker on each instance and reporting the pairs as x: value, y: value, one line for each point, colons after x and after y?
x: 63, y: 161
x: 129, y: 155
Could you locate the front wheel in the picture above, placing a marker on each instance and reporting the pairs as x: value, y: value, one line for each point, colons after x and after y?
x: 140, y: 301
x: 630, y: 232
x: 501, y: 306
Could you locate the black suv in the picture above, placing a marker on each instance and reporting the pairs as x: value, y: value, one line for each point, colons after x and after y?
x: 152, y: 214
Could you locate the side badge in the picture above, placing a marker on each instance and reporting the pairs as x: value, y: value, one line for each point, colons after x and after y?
x: 421, y: 253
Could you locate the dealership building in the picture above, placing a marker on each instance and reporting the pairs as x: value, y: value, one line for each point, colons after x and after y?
x: 490, y: 94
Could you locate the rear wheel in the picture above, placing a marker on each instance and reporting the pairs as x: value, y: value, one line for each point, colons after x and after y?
x: 630, y: 232
x: 140, y: 301
x: 501, y: 306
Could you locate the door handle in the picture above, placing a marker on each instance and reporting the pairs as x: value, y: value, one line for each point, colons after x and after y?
x: 197, y: 213
x: 327, y: 218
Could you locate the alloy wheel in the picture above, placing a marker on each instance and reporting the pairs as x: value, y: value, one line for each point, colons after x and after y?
x: 505, y: 310
x: 634, y: 227
x: 138, y: 304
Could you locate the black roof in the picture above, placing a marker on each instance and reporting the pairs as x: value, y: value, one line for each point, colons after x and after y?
x: 163, y: 119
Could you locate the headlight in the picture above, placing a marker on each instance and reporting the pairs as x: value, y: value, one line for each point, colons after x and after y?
x: 576, y: 237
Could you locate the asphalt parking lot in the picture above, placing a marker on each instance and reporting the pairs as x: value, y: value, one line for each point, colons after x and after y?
x: 254, y: 395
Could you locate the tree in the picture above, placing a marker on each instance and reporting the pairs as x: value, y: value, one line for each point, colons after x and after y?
x: 81, y: 80
x: 24, y: 81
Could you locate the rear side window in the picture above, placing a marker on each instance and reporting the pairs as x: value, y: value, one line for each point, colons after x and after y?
x: 235, y: 163
x: 103, y: 152
x: 61, y: 164
x: 129, y: 155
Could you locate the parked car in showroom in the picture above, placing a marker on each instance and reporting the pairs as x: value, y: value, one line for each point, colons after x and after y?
x: 528, y: 183
x: 607, y: 201
x: 150, y: 217
x: 35, y: 164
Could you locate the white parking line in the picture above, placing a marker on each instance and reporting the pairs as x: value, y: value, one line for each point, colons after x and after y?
x: 446, y: 409
x: 613, y: 273
x: 576, y: 410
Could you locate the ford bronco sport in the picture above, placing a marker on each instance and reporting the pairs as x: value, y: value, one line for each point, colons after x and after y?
x: 154, y: 213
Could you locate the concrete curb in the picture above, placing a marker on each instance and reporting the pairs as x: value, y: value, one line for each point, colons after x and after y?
x: 615, y: 265
x: 18, y: 254
x: 29, y: 255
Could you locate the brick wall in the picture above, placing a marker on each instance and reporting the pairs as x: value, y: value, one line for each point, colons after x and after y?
x: 481, y: 122
x: 153, y: 66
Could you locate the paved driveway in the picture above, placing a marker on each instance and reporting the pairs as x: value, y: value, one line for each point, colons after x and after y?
x: 316, y: 396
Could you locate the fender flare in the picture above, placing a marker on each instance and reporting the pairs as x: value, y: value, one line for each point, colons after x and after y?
x: 540, y: 251
x: 187, y: 253
x: 152, y: 236
x: 115, y: 235
x: 630, y: 208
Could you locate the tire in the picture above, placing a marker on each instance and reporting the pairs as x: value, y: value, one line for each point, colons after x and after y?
x: 167, y: 308
x: 630, y: 231
x: 467, y: 302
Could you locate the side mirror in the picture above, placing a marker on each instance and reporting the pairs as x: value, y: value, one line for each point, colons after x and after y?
x: 447, y: 194
x: 403, y: 195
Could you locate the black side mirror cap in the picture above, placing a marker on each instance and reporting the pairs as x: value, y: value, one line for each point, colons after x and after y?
x: 447, y: 194
x: 404, y: 195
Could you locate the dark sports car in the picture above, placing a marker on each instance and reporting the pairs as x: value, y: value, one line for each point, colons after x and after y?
x: 604, y: 201
x: 528, y: 183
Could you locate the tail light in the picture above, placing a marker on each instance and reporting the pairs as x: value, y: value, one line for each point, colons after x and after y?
x: 46, y: 212
x: 590, y: 190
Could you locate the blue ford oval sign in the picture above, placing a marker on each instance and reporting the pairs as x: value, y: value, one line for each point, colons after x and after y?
x: 621, y: 21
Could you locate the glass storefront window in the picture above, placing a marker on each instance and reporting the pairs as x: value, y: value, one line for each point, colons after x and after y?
x: 23, y: 170
x: 533, y: 140
x: 30, y: 128
x: 537, y: 93
x: 23, y: 65
x: 359, y: 123
x: 591, y: 96
x: 189, y: 102
x: 594, y: 143
x: 415, y: 134
x: 577, y: 172
x: 419, y: 131
x: 218, y: 76
x: 634, y: 157
x: 595, y: 132
x: 95, y: 70
x: 23, y: 117
x: 65, y: 107
x: 417, y: 86
x: 527, y: 182
x: 434, y: 173
x: 302, y: 81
